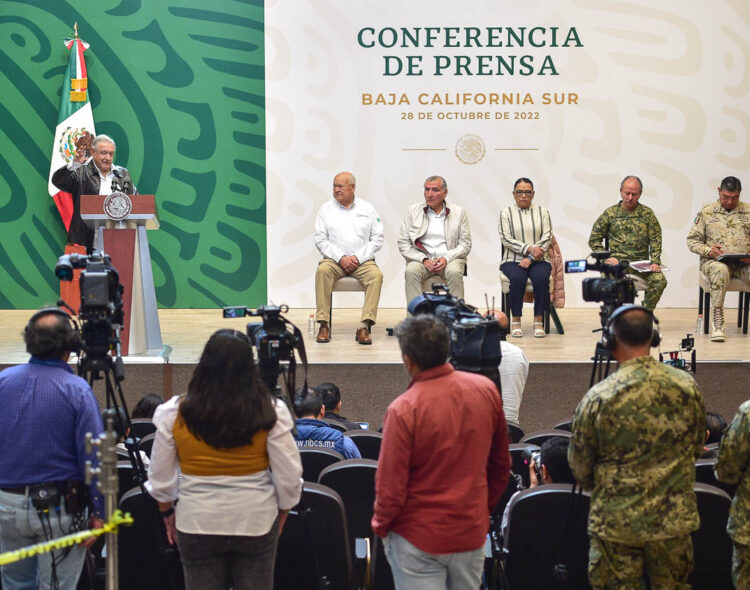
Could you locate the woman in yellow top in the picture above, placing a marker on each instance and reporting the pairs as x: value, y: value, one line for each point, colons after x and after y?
x: 222, y: 440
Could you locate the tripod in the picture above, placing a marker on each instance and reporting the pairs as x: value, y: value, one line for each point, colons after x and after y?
x: 602, y: 358
x: 111, y: 370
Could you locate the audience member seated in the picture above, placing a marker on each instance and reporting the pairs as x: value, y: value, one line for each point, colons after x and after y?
x: 146, y: 406
x: 120, y: 427
x: 313, y: 432
x: 514, y: 369
x: 332, y: 402
x: 553, y: 468
x: 715, y: 427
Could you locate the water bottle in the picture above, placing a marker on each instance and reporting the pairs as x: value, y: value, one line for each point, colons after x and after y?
x: 699, y: 324
x: 311, y: 324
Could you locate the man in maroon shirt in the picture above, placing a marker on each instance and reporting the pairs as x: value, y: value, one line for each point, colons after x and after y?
x: 443, y: 465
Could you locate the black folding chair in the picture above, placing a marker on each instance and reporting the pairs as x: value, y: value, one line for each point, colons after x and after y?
x: 354, y: 480
x: 564, y: 425
x: 315, y: 460
x: 547, y: 528
x: 147, y: 443
x: 712, y: 547
x: 537, y: 438
x: 514, y: 432
x: 125, y: 477
x: 147, y: 562
x: 368, y: 442
x: 335, y: 424
x: 314, y: 549
x: 142, y: 427
x: 704, y: 473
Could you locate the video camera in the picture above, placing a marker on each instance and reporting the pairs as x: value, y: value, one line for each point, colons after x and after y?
x: 613, y: 288
x: 101, y: 310
x: 474, y: 339
x: 676, y: 358
x: 275, y: 339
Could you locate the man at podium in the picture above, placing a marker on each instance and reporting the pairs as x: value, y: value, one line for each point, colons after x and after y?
x: 91, y: 174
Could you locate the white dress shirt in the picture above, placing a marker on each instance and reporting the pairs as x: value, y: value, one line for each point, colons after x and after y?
x: 343, y: 232
x: 514, y: 369
x: 434, y: 238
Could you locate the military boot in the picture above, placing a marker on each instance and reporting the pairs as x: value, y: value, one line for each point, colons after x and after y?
x: 717, y: 330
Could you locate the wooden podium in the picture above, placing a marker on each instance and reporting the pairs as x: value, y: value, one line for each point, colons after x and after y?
x: 124, y: 240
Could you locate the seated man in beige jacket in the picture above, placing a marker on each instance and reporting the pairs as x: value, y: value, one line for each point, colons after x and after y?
x: 435, y: 240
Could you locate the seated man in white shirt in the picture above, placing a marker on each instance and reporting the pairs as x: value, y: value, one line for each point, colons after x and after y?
x: 514, y: 369
x: 435, y: 240
x: 348, y: 233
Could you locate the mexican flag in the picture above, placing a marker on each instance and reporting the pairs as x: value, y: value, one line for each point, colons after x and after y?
x: 75, y: 123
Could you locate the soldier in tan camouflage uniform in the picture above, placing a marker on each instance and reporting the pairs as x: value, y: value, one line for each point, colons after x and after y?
x: 722, y: 227
x: 635, y: 438
x: 634, y: 234
x: 733, y: 466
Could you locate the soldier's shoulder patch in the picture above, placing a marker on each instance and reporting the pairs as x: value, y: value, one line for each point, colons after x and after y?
x: 697, y: 217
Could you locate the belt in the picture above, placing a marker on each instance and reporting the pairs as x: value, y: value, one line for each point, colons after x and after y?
x: 21, y: 490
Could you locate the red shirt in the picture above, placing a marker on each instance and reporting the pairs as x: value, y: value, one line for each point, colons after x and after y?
x: 444, y: 461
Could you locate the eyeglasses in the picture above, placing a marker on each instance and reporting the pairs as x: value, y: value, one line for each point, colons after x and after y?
x: 523, y: 193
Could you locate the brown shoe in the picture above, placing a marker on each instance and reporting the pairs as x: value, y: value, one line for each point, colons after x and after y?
x: 363, y: 336
x: 324, y: 333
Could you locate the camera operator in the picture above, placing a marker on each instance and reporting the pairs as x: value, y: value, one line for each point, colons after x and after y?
x: 552, y: 468
x: 45, y: 413
x: 635, y: 438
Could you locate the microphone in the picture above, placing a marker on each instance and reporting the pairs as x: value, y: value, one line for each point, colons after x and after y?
x: 116, y: 172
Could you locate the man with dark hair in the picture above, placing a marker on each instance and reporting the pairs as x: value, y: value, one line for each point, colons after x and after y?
x: 715, y: 427
x: 45, y: 413
x: 554, y: 461
x: 733, y: 467
x: 435, y: 241
x: 721, y: 228
x: 639, y: 464
x: 146, y: 406
x: 553, y: 467
x: 436, y: 484
x: 313, y: 432
x: 332, y: 402
x: 93, y: 173
x: 633, y: 233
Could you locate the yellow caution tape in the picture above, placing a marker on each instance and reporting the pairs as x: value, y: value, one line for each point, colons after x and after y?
x: 117, y: 519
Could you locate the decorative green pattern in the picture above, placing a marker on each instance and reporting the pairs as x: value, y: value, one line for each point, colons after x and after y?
x: 181, y: 90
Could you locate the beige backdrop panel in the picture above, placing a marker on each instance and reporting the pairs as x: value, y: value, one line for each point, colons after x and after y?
x: 661, y: 93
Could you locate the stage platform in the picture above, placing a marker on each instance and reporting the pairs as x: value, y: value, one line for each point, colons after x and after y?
x: 371, y: 376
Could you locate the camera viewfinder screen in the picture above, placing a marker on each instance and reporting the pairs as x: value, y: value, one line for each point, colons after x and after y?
x: 575, y: 266
x: 234, y: 312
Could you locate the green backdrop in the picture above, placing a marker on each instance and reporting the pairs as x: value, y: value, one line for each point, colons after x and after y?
x: 179, y: 85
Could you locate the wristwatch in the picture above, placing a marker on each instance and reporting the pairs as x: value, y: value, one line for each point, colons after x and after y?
x: 166, y: 513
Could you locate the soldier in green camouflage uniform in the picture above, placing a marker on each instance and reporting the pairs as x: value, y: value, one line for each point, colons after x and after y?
x: 634, y: 234
x: 733, y: 466
x: 722, y: 227
x: 635, y: 438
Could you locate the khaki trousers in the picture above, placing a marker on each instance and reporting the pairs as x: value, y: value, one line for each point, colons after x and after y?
x: 452, y: 275
x: 367, y: 273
